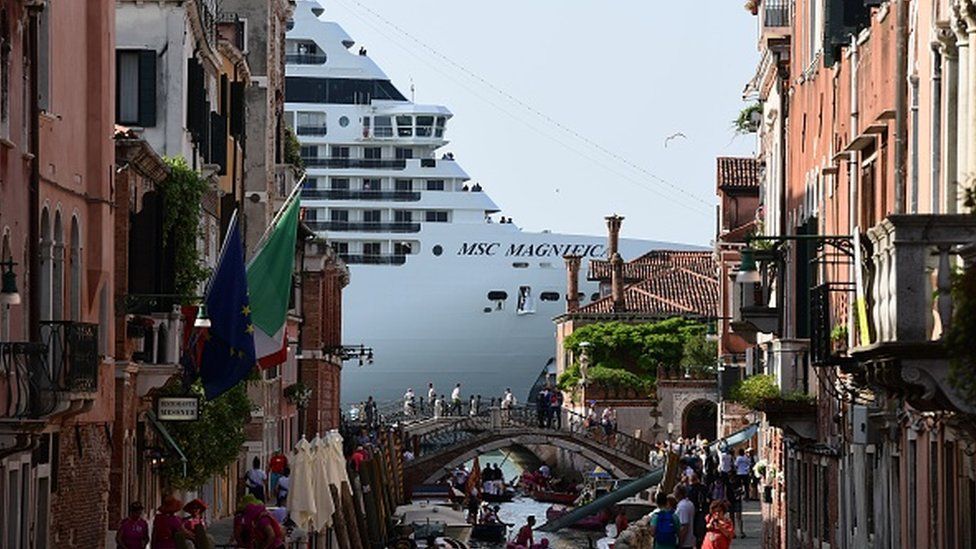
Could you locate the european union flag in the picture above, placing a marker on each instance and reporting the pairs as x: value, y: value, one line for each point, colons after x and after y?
x: 228, y: 350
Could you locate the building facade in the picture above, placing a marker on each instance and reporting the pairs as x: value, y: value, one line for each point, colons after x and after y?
x: 866, y: 139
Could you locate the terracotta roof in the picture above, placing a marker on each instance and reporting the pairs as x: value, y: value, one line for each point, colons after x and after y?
x: 737, y: 172
x: 671, y: 291
x: 740, y: 233
x: 653, y: 262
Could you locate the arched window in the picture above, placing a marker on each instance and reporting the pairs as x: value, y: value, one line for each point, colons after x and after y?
x: 5, y: 46
x: 47, y: 246
x: 74, y: 287
x: 57, y: 270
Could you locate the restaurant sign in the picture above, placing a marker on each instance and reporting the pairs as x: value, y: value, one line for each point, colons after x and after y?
x: 178, y: 408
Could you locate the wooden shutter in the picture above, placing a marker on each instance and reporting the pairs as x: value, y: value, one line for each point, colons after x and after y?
x: 147, y: 88
x: 237, y: 109
x: 218, y: 141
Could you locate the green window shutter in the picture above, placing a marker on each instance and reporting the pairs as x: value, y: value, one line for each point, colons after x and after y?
x: 147, y: 88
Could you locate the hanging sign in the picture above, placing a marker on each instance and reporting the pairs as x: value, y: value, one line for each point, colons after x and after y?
x: 178, y: 408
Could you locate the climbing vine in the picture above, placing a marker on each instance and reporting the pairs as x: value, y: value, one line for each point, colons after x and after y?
x: 182, y: 198
x: 293, y: 152
x: 642, y: 347
x: 959, y: 339
x: 212, y: 442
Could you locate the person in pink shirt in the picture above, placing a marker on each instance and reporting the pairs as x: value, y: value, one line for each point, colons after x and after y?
x: 195, y: 509
x: 133, y: 530
x: 166, y: 525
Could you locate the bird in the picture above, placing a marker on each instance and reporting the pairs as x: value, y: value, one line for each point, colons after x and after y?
x: 673, y: 136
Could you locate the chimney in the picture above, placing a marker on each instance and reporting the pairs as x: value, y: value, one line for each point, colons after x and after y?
x: 616, y: 263
x: 572, y: 283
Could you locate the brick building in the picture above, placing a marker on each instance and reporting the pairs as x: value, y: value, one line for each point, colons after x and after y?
x: 866, y: 138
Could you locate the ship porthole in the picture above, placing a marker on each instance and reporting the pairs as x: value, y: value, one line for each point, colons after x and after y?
x: 343, y: 121
x: 437, y: 249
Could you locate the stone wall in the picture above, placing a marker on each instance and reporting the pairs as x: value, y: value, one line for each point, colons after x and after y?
x: 79, y: 516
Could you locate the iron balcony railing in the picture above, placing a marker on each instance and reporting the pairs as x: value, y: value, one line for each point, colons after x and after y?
x: 23, y: 375
x: 346, y: 194
x: 346, y: 163
x: 305, y: 58
x: 72, y: 353
x: 777, y: 13
x: 365, y: 227
x: 377, y: 259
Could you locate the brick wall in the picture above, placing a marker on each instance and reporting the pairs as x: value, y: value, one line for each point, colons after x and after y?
x: 79, y: 507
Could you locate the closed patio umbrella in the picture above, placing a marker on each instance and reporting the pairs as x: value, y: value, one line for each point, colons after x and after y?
x: 301, y: 495
x: 324, y: 506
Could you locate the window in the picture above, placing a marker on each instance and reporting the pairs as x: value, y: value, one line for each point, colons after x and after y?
x: 499, y: 297
x: 339, y: 152
x: 403, y: 185
x: 311, y: 123
x: 341, y: 248
x: 342, y: 91
x: 404, y: 126
x: 373, y: 153
x: 549, y: 296
x: 339, y: 215
x: 435, y: 216
x: 404, y: 153
x: 309, y: 152
x: 402, y: 216
x: 135, y: 101
x: 425, y: 126
x: 372, y: 184
x: 384, y: 126
x: 435, y: 184
x: 526, y: 304
x: 439, y: 128
x: 402, y: 248
x: 520, y: 264
x: 372, y: 216
x: 311, y: 214
x: 594, y: 296
x: 371, y: 248
x: 340, y: 183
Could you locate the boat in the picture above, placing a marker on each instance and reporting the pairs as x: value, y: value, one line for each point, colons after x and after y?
x: 595, y: 522
x: 430, y: 519
x: 508, y: 494
x: 417, y: 234
x: 497, y: 532
x: 552, y: 496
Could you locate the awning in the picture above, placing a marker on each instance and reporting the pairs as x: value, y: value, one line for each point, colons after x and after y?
x: 161, y: 429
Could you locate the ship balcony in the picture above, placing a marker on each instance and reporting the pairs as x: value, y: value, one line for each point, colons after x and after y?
x: 314, y: 130
x: 413, y: 167
x: 346, y: 194
x: 365, y: 227
x: 910, y: 307
x: 353, y: 163
x: 305, y: 58
x: 374, y: 259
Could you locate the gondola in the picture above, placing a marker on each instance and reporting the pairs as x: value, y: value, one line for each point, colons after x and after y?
x: 495, y: 532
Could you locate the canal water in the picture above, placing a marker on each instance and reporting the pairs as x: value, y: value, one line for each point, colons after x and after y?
x: 518, y: 511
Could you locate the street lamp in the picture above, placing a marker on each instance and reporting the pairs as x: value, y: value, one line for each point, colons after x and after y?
x: 202, y: 321
x: 8, y: 290
x: 748, y: 273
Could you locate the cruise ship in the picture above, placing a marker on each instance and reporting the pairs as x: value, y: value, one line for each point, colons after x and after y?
x: 444, y: 288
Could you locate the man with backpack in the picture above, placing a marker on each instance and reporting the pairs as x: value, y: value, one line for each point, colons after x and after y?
x: 664, y: 522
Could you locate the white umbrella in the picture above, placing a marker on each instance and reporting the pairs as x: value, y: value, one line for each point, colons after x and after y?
x: 301, y: 495
x: 337, y: 462
x: 324, y: 506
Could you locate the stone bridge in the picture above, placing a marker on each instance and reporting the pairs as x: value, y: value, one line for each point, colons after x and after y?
x: 442, y: 444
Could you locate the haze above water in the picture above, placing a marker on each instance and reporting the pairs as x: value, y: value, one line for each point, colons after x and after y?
x: 622, y: 75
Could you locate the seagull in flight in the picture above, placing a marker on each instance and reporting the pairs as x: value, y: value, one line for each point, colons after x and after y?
x: 673, y: 136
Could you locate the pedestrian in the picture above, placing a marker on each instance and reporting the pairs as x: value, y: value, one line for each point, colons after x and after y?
x: 621, y: 522
x: 370, y: 412
x: 439, y: 407
x: 686, y: 514
x: 557, y: 406
x: 725, y: 463
x: 276, y: 467
x: 742, y: 468
x: 720, y: 528
x: 456, y: 400
x: 133, y: 532
x: 753, y: 479
x: 166, y: 525
x: 472, y: 409
x: 431, y: 397
x: 664, y: 522
x: 255, y: 480
x: 408, y: 402
x: 524, y: 537
x: 735, y: 491
x: 357, y: 457
x: 264, y: 531
x: 542, y: 407
x: 284, y: 484
x: 477, y: 405
x: 195, y: 509
x: 699, y: 496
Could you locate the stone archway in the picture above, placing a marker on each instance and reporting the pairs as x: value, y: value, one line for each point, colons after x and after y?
x: 700, y: 418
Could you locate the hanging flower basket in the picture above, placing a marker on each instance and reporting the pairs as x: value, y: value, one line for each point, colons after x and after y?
x: 298, y: 394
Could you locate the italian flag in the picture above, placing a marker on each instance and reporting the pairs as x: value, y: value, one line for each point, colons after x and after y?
x: 269, y: 286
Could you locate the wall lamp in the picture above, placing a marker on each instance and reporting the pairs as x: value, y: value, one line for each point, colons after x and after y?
x: 8, y: 289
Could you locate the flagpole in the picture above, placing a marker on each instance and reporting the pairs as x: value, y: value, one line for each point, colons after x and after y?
x: 274, y: 221
x: 223, y: 250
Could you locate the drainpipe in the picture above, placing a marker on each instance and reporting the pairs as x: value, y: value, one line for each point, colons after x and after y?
x: 34, y: 187
x: 852, y: 167
x: 901, y: 105
x: 936, y: 126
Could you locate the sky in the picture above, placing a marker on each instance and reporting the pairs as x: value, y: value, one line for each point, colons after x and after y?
x: 563, y: 108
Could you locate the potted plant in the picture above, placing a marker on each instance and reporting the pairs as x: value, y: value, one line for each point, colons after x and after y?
x: 298, y: 394
x: 752, y: 6
x: 838, y: 338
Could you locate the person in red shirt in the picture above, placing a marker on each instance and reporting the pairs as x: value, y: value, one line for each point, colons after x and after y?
x: 276, y: 467
x: 133, y: 530
x: 195, y: 509
x: 357, y: 457
x: 524, y: 538
x: 166, y: 525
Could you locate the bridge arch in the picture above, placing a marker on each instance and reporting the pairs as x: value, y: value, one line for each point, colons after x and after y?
x: 527, y: 440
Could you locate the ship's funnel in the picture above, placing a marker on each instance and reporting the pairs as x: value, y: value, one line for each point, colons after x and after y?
x: 572, y: 283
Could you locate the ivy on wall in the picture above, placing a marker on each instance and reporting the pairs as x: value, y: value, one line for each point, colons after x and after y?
x: 182, y: 199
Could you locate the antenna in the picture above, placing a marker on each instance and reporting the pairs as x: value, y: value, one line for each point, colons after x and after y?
x: 413, y: 89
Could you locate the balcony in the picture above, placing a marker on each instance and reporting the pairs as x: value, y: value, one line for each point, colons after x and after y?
x: 349, y: 163
x: 72, y: 352
x: 23, y: 369
x: 364, y: 227
x: 374, y: 259
x: 346, y: 194
x: 751, y: 312
x: 305, y: 58
x: 910, y: 307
